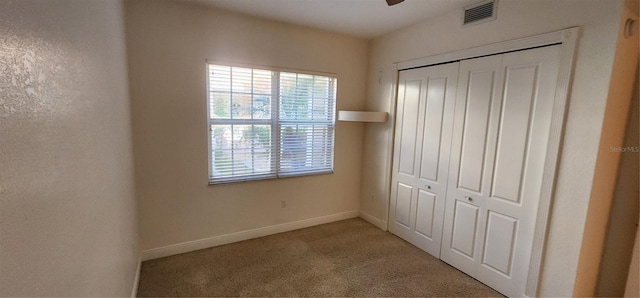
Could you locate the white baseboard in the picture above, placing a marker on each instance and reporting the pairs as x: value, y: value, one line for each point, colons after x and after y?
x: 189, y: 246
x: 374, y: 220
x: 136, y: 279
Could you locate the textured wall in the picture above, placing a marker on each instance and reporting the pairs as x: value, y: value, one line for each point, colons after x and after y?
x: 67, y: 207
x: 168, y: 44
x: 516, y: 19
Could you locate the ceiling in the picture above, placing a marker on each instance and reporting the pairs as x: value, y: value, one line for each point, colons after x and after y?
x: 360, y: 18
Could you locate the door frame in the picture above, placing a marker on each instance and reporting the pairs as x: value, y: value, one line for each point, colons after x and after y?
x: 567, y: 39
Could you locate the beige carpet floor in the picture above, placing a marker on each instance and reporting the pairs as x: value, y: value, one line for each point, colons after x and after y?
x: 345, y: 258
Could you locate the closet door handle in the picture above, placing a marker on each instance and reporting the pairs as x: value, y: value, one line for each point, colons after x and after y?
x: 470, y: 199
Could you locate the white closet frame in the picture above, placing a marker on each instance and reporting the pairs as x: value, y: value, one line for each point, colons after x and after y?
x: 567, y: 39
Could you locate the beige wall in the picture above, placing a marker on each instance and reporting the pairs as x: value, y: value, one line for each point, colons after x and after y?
x: 67, y: 207
x: 516, y: 19
x: 168, y: 44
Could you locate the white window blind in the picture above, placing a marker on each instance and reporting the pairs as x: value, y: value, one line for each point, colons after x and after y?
x: 268, y: 124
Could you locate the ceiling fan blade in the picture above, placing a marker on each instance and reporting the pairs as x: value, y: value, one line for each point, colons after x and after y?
x: 393, y: 2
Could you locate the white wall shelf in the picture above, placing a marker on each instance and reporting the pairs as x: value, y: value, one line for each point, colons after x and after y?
x: 362, y: 116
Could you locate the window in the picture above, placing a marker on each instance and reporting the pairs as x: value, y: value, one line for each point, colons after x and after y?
x: 269, y: 124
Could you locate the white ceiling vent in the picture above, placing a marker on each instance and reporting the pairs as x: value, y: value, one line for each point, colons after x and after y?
x: 478, y: 13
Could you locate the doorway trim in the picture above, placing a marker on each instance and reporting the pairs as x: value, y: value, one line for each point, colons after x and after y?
x: 567, y: 39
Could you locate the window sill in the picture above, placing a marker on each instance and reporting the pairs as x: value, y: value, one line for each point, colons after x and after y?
x: 266, y: 177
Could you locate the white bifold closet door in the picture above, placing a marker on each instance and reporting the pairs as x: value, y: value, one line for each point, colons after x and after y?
x: 500, y: 133
x: 469, y: 153
x: 425, y: 106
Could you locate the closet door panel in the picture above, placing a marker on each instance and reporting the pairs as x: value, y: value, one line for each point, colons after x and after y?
x: 403, y: 204
x: 500, y: 242
x: 426, y: 214
x: 465, y: 225
x: 433, y: 129
x: 479, y: 93
x: 403, y: 185
x: 471, y: 144
x: 422, y: 139
x: 521, y: 147
x: 513, y: 135
x: 440, y: 83
x: 409, y: 127
x: 406, y: 144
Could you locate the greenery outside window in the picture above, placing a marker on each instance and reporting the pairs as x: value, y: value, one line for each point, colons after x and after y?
x: 269, y: 124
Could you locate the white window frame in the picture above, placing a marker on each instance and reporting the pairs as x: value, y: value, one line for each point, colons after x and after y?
x: 274, y: 122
